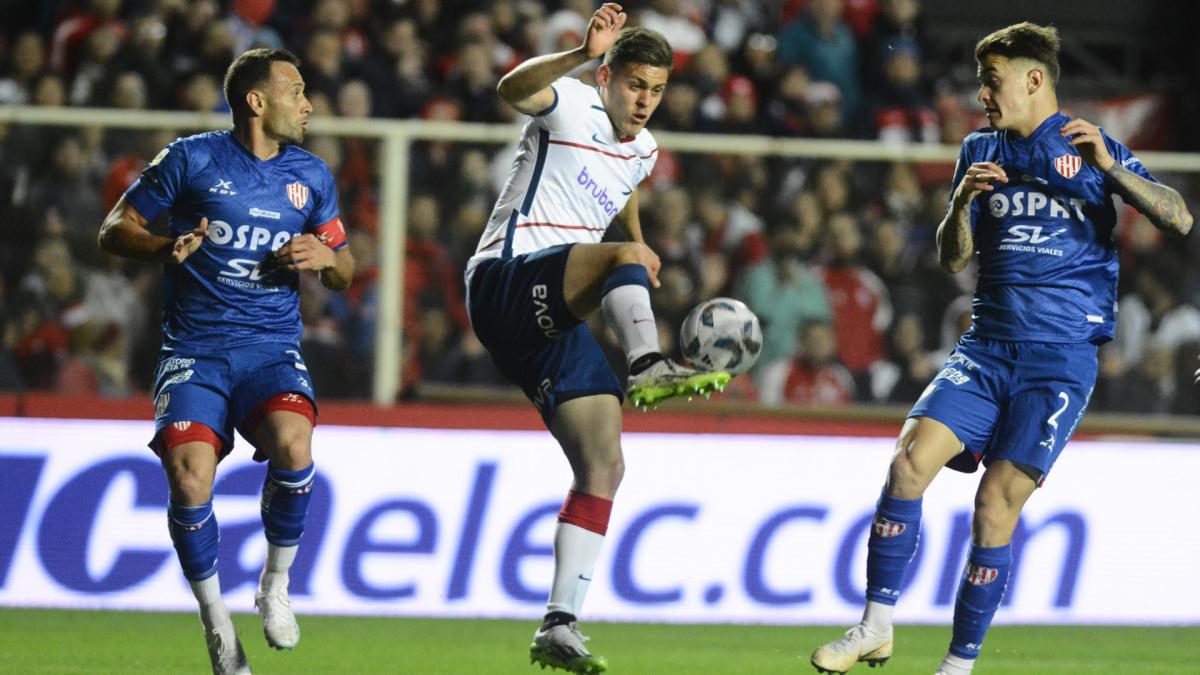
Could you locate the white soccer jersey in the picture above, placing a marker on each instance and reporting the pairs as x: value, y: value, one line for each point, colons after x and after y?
x: 571, y: 175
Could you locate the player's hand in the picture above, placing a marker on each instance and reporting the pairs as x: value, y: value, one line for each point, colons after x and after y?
x: 602, y: 29
x: 1085, y: 137
x: 980, y: 177
x: 305, y: 252
x: 186, y: 244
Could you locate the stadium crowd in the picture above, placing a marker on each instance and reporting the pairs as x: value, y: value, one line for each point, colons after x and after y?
x: 836, y: 257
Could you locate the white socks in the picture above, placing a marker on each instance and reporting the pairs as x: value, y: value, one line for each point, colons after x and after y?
x: 213, y: 611
x: 627, y: 311
x: 575, y: 552
x: 275, y: 571
x: 956, y: 665
x: 878, y: 617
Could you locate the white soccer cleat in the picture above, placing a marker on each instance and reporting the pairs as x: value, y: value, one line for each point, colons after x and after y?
x: 667, y: 379
x: 279, y: 623
x: 561, y: 646
x: 225, y: 651
x: 858, y: 644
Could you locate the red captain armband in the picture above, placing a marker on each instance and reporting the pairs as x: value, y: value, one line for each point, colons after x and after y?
x: 332, y: 233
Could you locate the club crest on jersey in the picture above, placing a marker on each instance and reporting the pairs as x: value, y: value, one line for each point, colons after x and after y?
x: 1068, y: 165
x: 978, y: 575
x: 887, y: 529
x: 298, y: 194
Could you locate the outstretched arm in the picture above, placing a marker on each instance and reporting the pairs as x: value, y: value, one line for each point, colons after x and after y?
x: 1161, y: 204
x: 527, y: 87
x: 126, y: 233
x: 955, y: 243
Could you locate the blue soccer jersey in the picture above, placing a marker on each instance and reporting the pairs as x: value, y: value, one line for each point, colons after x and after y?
x: 230, y: 292
x: 1047, y: 259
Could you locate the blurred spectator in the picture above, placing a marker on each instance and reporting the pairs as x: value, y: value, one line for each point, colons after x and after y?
x: 733, y: 20
x: 824, y: 44
x: 396, y: 71
x: 472, y: 83
x: 788, y: 113
x: 1154, y: 316
x: 27, y: 59
x: 202, y: 93
x: 67, y: 199
x: 685, y: 36
x: 728, y: 229
x: 900, y: 111
x: 898, y: 22
x: 322, y: 66
x: 144, y: 53
x: 908, y: 369
x: 786, y: 293
x: 740, y: 100
x: 73, y: 32
x: 862, y: 309
x: 98, y: 67
x: 814, y: 377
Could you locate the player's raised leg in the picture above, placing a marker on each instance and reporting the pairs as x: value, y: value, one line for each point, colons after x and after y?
x: 1002, y: 494
x: 189, y: 457
x: 616, y: 278
x: 285, y: 436
x: 924, y: 447
x: 589, y: 431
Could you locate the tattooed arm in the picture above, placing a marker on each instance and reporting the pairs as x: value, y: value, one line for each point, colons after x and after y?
x: 1161, y: 204
x: 954, y: 241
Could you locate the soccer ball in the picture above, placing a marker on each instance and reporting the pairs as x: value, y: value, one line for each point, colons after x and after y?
x: 721, y: 334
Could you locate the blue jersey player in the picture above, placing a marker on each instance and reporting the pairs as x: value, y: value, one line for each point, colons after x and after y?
x: 1033, y: 201
x: 248, y: 210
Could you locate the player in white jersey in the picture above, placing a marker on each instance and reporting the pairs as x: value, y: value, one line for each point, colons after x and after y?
x: 540, y: 271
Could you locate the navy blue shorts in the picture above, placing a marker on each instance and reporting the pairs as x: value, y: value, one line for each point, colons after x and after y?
x: 221, y: 389
x: 519, y: 313
x: 1014, y: 401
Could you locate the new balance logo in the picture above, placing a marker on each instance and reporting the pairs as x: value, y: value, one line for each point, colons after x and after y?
x: 978, y: 575
x: 887, y: 529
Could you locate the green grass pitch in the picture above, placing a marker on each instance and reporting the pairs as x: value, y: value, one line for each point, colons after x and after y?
x: 59, y: 641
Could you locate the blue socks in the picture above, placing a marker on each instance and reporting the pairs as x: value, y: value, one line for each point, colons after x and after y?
x: 285, y: 498
x: 195, y: 534
x: 979, y: 595
x: 891, y: 546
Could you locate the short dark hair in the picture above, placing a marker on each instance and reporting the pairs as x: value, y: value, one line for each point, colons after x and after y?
x: 639, y: 45
x: 249, y: 71
x: 1023, y: 40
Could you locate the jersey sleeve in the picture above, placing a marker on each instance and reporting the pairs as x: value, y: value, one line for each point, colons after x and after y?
x: 161, y: 181
x: 571, y: 102
x: 324, y: 221
x: 1125, y: 157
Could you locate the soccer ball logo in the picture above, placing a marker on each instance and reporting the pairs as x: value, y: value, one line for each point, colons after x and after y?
x: 721, y: 334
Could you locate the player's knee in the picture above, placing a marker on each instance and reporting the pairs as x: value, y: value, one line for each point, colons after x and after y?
x: 289, y: 447
x: 995, y: 517
x: 905, y: 477
x: 189, y: 486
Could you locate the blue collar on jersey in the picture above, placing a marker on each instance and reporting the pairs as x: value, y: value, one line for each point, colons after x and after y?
x: 1053, y: 121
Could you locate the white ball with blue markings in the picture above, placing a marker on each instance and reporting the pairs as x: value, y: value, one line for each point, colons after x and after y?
x: 721, y: 334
